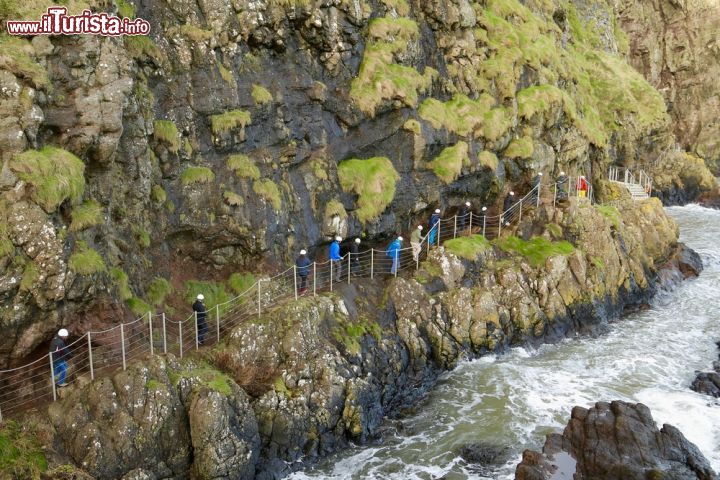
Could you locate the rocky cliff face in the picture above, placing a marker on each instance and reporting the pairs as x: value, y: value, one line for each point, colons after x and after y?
x: 239, y: 132
x: 675, y: 45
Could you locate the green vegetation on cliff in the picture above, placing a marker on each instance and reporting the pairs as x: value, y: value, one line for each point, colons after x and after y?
x: 193, y: 175
x: 166, y: 131
x: 85, y: 260
x: 158, y: 290
x: 373, y: 180
x: 243, y: 166
x: 86, y: 215
x: 21, y: 454
x: 18, y: 56
x: 267, y: 189
x: 229, y: 120
x: 158, y: 194
x: 520, y: 148
x: 122, y: 281
x: 536, y: 250
x: 261, y: 95
x: 380, y: 78
x: 469, y: 247
x: 449, y: 163
x: 55, y: 175
x: 233, y: 199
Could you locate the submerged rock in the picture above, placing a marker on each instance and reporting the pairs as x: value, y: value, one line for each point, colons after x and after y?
x: 615, y: 441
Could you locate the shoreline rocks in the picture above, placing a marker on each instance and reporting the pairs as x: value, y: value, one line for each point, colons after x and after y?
x: 615, y: 441
x: 708, y: 382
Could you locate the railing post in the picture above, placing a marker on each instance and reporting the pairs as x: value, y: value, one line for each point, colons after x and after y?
x: 438, y: 231
x: 455, y: 227
x: 397, y: 261
x: 349, y: 255
x: 152, y: 347
x: 314, y: 279
x: 538, y: 193
x: 372, y: 262
x: 484, y: 223
x: 92, y: 369
x: 470, y: 222
x: 181, y: 338
x: 52, y: 375
x: 197, y: 337
x: 332, y: 267
x: 295, y: 281
x: 427, y: 237
x: 217, y: 318
x: 555, y: 195
x: 502, y: 218
x: 520, y: 217
x: 164, y: 334
x: 122, y: 345
x: 258, y: 285
x: 1, y: 416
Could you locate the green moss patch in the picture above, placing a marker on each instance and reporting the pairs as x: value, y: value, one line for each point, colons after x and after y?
x: 55, y: 174
x: 413, y: 126
x: 334, y: 207
x: 469, y: 247
x: 208, y: 377
x: 85, y: 260
x: 241, y: 282
x: 122, y: 282
x: 467, y: 117
x: 261, y: 95
x: 166, y: 131
x: 21, y: 455
x: 536, y: 250
x: 29, y: 276
x: 488, y: 160
x: 520, y: 148
x: 350, y: 334
x: 373, y: 180
x: 158, y: 290
x: 86, y: 215
x: 226, y: 74
x: 449, y: 163
x: 268, y: 190
x: 193, y: 175
x: 243, y: 166
x: 138, y: 306
x: 18, y: 56
x: 142, y: 236
x: 380, y: 78
x: 233, y: 199
x: 229, y: 120
x: 611, y: 213
x: 158, y: 194
x: 125, y: 9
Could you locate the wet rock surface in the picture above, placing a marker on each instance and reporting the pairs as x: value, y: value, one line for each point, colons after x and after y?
x: 708, y: 383
x: 615, y: 441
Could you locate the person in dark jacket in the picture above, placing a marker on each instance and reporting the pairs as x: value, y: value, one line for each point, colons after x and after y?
x: 303, y: 270
x: 463, y: 216
x: 537, y: 180
x: 60, y: 352
x: 562, y: 185
x: 201, y: 313
x: 434, y: 227
x: 507, y: 204
x: 355, y: 257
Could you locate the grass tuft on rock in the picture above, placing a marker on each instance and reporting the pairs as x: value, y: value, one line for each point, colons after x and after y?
x: 261, y: 95
x: 158, y: 194
x: 469, y: 247
x: 158, y: 290
x: 29, y: 276
x: 243, y: 166
x: 241, y: 282
x: 536, y: 250
x: 166, y: 131
x: 233, y: 199
x: 611, y: 213
x: 138, y: 306
x: 85, y: 260
x: 18, y: 56
x: 55, y: 174
x: 448, y: 165
x: 520, y: 148
x: 86, y: 215
x: 21, y: 455
x: 373, y: 180
x: 122, y: 281
x: 488, y: 160
x: 229, y: 120
x: 193, y: 175
x: 268, y: 190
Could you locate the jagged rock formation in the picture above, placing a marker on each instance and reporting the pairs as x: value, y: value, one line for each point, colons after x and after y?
x: 615, y: 441
x: 239, y: 132
x: 708, y: 382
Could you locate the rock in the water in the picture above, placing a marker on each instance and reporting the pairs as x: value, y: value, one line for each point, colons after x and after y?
x: 708, y: 382
x: 484, y: 454
x: 615, y: 441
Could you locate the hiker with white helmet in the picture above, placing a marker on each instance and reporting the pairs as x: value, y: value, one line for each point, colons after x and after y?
x: 303, y: 270
x: 201, y: 313
x: 355, y: 256
x: 59, y: 353
x: 393, y: 251
x: 434, y: 224
x: 415, y: 242
x: 562, y: 184
x: 463, y: 216
x: 335, y: 258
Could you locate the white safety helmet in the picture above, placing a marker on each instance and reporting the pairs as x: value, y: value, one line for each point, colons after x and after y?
x: 338, y: 238
x: 512, y: 193
x: 420, y: 227
x: 540, y: 174
x: 484, y: 209
x: 400, y: 238
x: 437, y: 210
x: 562, y: 173
x: 467, y: 204
x: 303, y: 252
x: 357, y: 240
x: 201, y: 296
x: 63, y: 333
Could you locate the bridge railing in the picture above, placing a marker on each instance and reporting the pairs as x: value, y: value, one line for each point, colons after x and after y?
x: 102, y: 352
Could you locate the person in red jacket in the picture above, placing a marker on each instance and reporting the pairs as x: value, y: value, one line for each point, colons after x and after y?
x: 582, y: 186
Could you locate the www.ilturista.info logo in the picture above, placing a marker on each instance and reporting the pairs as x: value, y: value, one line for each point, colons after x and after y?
x: 57, y: 22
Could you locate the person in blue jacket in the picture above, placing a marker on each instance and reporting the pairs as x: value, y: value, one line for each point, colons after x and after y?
x: 393, y: 251
x: 433, y: 228
x: 303, y: 270
x: 336, y: 259
x: 59, y: 353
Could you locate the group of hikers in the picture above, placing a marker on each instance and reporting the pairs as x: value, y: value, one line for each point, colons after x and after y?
x: 60, y: 353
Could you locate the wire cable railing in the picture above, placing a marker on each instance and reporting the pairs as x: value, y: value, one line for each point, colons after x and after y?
x: 103, y: 352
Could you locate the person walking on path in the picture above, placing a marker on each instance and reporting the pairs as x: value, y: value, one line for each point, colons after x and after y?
x: 415, y: 242
x: 463, y: 216
x: 60, y: 352
x: 561, y: 183
x: 335, y: 258
x: 303, y: 270
x: 201, y: 314
x: 355, y: 257
x: 507, y: 204
x: 393, y: 251
x: 434, y: 226
x: 582, y: 186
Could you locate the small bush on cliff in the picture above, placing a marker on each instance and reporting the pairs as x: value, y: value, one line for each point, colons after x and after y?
x: 138, y: 306
x: 55, y: 175
x: 261, y: 95
x: 207, y: 374
x: 166, y: 131
x: 536, y: 250
x: 21, y: 454
x: 122, y: 281
x: 86, y: 215
x: 255, y: 378
x: 193, y: 175
x: 85, y: 260
x: 373, y: 180
x: 449, y: 163
x: 469, y: 247
x: 229, y: 120
x: 243, y: 166
x: 268, y: 190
